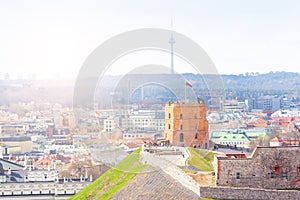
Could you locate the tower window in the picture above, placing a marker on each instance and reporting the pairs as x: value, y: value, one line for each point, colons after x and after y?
x: 181, y: 126
x: 181, y: 116
x: 169, y: 126
x: 196, y: 136
x: 169, y: 115
x: 238, y: 175
x: 181, y: 137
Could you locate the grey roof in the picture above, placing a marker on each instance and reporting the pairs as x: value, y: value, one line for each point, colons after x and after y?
x: 15, y: 139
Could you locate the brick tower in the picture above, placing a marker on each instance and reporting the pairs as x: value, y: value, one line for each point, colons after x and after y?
x: 186, y: 124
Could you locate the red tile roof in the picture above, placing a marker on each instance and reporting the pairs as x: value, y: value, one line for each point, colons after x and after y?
x: 276, y: 139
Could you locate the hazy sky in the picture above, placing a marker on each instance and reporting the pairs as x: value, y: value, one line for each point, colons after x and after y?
x: 51, y: 38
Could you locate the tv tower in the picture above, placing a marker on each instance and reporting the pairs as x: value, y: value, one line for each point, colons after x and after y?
x: 172, y: 42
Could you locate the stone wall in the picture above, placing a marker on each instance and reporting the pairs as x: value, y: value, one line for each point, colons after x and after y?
x: 154, y: 183
x: 247, y: 193
x: 269, y: 167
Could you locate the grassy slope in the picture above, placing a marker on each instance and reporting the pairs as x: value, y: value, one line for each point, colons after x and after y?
x: 201, y: 159
x: 113, y: 180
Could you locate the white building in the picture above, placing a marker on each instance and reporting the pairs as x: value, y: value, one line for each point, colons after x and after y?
x: 137, y: 135
x: 147, y: 120
x: 109, y: 124
x: 16, y: 181
x: 286, y: 113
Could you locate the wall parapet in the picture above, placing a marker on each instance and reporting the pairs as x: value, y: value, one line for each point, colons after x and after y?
x: 247, y: 193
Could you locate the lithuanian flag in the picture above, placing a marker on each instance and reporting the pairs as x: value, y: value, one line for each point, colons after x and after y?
x: 188, y: 84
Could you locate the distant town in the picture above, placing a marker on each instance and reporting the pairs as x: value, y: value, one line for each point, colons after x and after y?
x: 50, y: 148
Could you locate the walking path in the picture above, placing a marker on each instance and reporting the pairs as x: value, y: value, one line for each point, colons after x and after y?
x: 224, y: 150
x: 168, y: 163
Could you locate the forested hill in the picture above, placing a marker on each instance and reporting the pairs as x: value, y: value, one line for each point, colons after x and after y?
x: 248, y: 84
x: 285, y: 81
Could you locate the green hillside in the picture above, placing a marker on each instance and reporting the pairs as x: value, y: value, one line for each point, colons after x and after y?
x: 201, y: 159
x: 112, y: 180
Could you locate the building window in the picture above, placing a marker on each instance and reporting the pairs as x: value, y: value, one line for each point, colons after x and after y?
x: 284, y: 174
x: 169, y: 126
x: 181, y: 116
x: 181, y: 126
x: 181, y: 137
x: 196, y: 136
x: 238, y: 175
x: 298, y: 169
x: 195, y: 116
x: 276, y: 169
x: 169, y: 115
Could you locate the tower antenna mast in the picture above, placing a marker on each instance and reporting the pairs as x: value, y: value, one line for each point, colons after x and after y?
x: 172, y: 42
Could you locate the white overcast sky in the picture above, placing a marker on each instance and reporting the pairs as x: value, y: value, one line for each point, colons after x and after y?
x: 53, y: 38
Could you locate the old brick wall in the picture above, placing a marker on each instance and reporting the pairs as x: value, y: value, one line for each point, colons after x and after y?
x: 247, y: 193
x: 189, y: 120
x: 273, y: 167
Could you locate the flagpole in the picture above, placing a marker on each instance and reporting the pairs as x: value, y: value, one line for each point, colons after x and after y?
x: 185, y: 93
x: 186, y: 84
